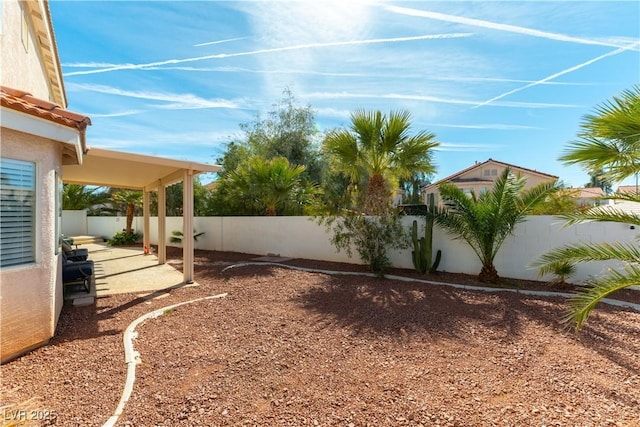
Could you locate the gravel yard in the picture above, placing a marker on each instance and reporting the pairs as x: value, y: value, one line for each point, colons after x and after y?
x: 295, y: 348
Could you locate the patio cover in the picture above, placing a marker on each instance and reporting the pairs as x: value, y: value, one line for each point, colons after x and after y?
x: 147, y: 173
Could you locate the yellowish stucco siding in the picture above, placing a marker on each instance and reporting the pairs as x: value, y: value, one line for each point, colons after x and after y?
x: 19, y: 55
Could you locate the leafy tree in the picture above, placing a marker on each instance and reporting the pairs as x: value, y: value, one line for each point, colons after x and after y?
x: 598, y: 180
x: 412, y: 187
x: 174, y: 199
x: 288, y: 132
x: 78, y: 197
x: 485, y: 221
x: 130, y: 199
x: 267, y: 187
x: 380, y: 149
x: 611, y: 142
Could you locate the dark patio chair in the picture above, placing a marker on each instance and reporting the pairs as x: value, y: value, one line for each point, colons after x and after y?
x: 77, y: 272
x: 74, y: 254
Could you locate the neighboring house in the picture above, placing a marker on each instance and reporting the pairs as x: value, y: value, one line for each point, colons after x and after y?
x: 588, y: 196
x: 628, y: 189
x: 481, y: 176
x: 38, y: 136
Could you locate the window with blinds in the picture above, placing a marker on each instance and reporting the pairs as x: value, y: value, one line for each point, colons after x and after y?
x: 17, y: 212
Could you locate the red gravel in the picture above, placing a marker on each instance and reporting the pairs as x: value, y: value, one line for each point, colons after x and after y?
x: 295, y: 348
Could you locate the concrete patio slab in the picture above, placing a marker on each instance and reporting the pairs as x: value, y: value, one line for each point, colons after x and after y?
x: 120, y: 270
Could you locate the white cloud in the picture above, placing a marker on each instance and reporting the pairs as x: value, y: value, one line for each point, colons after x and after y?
x: 270, y: 50
x: 464, y: 147
x: 175, y: 100
x: 495, y: 126
x: 496, y: 26
x: 220, y: 41
x: 558, y: 74
x: 117, y: 114
x: 426, y: 98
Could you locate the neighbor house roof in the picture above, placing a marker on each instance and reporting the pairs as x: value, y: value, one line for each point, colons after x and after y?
x: 586, y: 192
x: 627, y: 189
x: 26, y: 104
x: 454, y: 177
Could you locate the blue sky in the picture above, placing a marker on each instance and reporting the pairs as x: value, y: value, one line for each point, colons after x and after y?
x: 504, y: 80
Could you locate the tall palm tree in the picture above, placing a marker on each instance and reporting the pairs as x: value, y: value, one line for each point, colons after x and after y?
x: 131, y: 199
x: 484, y: 221
x: 611, y: 141
x: 380, y: 149
x: 268, y: 187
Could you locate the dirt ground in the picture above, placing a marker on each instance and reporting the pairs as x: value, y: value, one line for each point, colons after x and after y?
x: 287, y: 347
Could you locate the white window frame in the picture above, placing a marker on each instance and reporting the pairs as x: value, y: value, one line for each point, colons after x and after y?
x: 27, y: 191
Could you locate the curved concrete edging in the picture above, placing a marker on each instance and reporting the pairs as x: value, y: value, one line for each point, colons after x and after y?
x: 132, y: 357
x: 609, y: 301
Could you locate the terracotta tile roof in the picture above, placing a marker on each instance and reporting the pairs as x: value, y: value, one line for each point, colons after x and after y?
x: 627, y: 189
x: 586, y: 192
x: 24, y: 102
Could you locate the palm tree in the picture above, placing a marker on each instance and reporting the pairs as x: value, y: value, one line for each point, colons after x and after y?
x: 616, y: 279
x: 269, y: 187
x: 379, y: 148
x: 78, y: 197
x: 485, y: 221
x: 131, y: 199
x: 610, y: 141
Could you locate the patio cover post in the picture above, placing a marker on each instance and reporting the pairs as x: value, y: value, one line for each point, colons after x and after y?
x: 146, y: 213
x: 187, y: 226
x: 162, y: 224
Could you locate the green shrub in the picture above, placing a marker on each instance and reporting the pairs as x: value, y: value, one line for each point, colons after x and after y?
x: 176, y: 236
x: 372, y: 238
x: 122, y: 238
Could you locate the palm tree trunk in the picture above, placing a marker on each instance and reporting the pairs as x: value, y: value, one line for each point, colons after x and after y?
x: 130, y: 212
x: 271, y: 210
x: 377, y: 201
x: 489, y: 274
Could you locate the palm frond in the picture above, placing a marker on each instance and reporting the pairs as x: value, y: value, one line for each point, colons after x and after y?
x: 576, y: 253
x: 625, y: 196
x: 586, y: 299
x: 610, y: 138
x: 600, y: 214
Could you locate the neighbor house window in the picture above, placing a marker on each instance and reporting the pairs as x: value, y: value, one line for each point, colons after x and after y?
x: 17, y: 212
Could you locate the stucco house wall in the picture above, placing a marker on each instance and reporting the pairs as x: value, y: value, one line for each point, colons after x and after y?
x: 31, y: 294
x: 37, y: 128
x: 20, y: 54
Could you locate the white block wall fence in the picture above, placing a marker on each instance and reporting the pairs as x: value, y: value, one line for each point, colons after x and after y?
x: 302, y: 237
